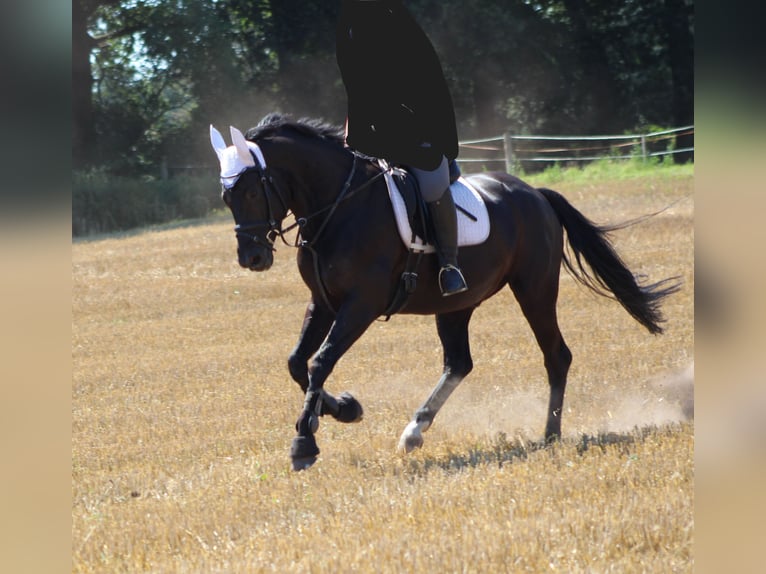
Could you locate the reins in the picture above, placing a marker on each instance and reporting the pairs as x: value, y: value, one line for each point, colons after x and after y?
x: 270, y: 188
x: 409, y: 278
x: 309, y: 245
x: 344, y: 194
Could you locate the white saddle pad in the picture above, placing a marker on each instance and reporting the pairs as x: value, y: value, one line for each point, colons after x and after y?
x: 469, y: 232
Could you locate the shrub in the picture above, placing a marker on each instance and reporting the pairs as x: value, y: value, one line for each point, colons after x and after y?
x: 103, y: 203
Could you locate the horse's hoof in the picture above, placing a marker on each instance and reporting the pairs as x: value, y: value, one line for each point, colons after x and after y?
x: 349, y: 409
x: 552, y: 438
x: 412, y: 438
x: 303, y: 463
x: 303, y: 452
x: 410, y: 443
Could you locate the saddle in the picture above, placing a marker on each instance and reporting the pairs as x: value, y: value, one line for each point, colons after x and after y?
x: 417, y: 212
x: 413, y: 220
x: 414, y: 226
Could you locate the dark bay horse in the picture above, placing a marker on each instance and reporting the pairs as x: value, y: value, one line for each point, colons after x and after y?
x: 352, y: 259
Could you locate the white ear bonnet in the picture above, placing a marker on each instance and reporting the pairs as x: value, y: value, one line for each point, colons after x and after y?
x: 235, y: 158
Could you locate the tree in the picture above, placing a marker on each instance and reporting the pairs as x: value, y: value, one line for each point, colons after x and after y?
x: 135, y: 69
x: 679, y: 35
x: 109, y: 93
x: 149, y: 75
x: 83, y: 128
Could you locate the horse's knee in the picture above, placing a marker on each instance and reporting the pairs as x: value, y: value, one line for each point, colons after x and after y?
x: 298, y: 369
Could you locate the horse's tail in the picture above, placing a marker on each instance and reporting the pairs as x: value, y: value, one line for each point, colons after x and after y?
x: 608, y: 275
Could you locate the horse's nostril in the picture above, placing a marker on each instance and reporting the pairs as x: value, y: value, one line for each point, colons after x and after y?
x: 255, y: 259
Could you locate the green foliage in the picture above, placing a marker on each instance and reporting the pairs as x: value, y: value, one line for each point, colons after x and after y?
x: 608, y: 170
x: 159, y: 71
x: 152, y: 74
x: 102, y: 202
x: 162, y: 71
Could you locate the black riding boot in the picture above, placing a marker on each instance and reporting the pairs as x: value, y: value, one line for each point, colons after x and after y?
x: 444, y: 218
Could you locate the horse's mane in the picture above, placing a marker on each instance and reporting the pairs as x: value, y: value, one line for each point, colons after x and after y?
x: 274, y: 122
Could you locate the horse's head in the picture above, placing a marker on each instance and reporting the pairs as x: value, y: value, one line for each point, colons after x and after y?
x: 254, y: 200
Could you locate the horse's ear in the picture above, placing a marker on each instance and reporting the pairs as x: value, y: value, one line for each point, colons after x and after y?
x: 219, y: 145
x: 241, y: 144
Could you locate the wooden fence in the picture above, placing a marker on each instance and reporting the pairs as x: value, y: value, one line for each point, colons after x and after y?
x: 532, y: 153
x: 511, y: 152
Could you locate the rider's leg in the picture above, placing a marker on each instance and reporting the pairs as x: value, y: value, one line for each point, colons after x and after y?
x: 434, y: 186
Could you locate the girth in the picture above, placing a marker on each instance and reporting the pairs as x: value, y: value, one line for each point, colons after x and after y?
x: 417, y: 212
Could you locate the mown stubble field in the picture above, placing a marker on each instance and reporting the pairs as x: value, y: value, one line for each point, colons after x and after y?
x: 183, y: 413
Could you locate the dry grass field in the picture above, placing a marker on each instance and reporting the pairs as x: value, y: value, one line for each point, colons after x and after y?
x: 183, y: 414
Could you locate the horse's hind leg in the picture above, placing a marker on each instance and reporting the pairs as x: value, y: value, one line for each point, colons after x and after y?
x: 538, y: 303
x: 453, y: 333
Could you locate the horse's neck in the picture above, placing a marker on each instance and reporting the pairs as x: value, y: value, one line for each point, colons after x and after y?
x: 317, y: 184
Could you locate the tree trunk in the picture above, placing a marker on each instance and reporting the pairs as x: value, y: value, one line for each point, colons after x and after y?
x: 681, y: 58
x: 597, y: 89
x: 83, y: 129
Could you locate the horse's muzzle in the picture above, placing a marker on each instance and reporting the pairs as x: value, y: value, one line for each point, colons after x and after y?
x: 256, y: 258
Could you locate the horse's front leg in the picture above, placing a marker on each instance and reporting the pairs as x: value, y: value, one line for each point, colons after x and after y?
x: 316, y: 325
x: 350, y: 323
x: 453, y: 334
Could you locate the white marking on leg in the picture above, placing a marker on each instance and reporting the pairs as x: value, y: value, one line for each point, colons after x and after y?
x: 412, y: 437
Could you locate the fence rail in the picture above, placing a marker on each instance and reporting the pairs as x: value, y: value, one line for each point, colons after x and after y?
x: 515, y: 150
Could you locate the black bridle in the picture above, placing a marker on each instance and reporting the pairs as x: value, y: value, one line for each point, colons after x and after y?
x: 274, y: 224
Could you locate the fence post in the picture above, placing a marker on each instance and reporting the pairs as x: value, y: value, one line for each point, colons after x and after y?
x: 164, y: 168
x: 510, y: 161
x: 643, y: 146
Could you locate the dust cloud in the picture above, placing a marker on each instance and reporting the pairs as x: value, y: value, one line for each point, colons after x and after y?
x: 670, y: 399
x: 520, y: 415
